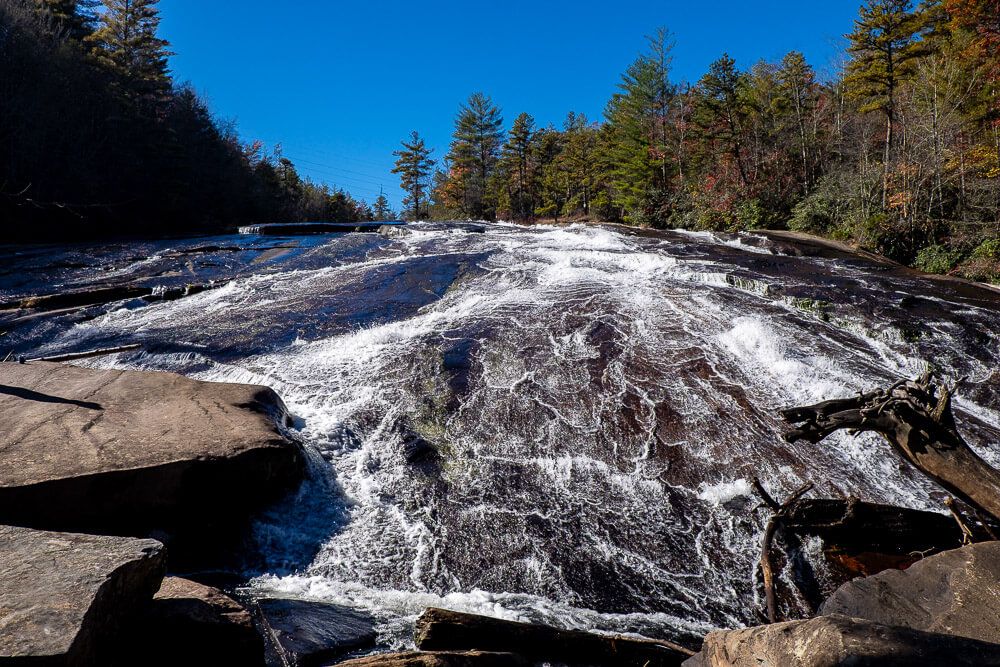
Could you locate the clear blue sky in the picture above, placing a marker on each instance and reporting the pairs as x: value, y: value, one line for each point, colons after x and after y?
x: 338, y: 84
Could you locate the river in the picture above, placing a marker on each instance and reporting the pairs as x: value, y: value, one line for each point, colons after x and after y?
x: 550, y: 423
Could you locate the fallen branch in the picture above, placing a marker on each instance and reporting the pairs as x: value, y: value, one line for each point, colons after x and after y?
x: 915, y: 417
x: 86, y: 355
x: 766, y: 566
x: 966, y: 531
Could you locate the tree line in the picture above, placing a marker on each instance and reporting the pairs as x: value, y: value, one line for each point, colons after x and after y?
x: 899, y: 151
x: 97, y: 139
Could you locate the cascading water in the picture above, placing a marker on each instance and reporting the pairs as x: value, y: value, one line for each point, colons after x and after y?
x: 544, y: 423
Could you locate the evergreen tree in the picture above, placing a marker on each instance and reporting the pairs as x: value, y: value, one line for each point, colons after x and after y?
x: 553, y: 181
x: 76, y: 17
x: 639, y: 152
x: 579, y: 159
x: 382, y: 210
x: 516, y: 163
x: 884, y: 49
x: 128, y: 46
x: 414, y: 166
x: 474, y: 153
x: 797, y: 86
x: 722, y: 111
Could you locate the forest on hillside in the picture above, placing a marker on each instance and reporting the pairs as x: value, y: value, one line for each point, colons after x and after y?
x: 900, y: 151
x: 97, y: 139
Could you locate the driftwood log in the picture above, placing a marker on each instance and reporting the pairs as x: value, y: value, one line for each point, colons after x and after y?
x: 915, y: 417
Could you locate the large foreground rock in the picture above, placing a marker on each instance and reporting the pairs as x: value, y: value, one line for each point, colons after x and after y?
x: 832, y: 641
x: 301, y: 633
x: 64, y: 597
x: 445, y: 630
x: 127, y: 452
x: 439, y: 659
x: 189, y: 623
x: 956, y: 592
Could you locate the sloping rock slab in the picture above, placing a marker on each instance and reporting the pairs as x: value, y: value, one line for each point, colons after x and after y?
x: 300, y: 633
x: 955, y: 592
x: 189, y: 623
x: 438, y: 659
x: 832, y: 641
x: 63, y: 596
x: 444, y: 630
x: 127, y: 452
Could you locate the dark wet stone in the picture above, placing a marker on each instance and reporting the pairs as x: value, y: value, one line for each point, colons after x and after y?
x: 189, y: 623
x: 445, y: 630
x: 301, y: 633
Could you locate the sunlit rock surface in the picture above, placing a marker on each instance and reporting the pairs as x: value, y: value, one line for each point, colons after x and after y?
x: 64, y: 596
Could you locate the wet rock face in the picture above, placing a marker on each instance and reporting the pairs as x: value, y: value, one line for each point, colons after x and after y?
x: 188, y: 623
x: 64, y: 597
x: 955, y: 592
x: 300, y: 633
x: 131, y: 453
x: 830, y: 641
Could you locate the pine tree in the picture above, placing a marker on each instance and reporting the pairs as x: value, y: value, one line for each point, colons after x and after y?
x: 76, y: 17
x: 722, y: 111
x: 382, y: 210
x: 884, y: 46
x: 580, y: 161
x: 553, y: 181
x: 128, y: 45
x: 414, y: 166
x: 475, y: 151
x: 639, y: 152
x: 797, y: 85
x: 516, y: 159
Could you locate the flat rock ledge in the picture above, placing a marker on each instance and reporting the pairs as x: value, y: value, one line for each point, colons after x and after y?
x: 138, y: 453
x: 955, y: 592
x: 65, y: 597
x: 829, y: 641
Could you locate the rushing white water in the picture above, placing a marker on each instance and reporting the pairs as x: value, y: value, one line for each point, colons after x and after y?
x: 553, y: 423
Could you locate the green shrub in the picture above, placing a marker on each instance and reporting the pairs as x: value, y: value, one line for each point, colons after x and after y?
x: 937, y: 259
x: 988, y: 249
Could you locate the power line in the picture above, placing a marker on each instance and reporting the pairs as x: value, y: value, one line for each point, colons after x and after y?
x: 331, y: 167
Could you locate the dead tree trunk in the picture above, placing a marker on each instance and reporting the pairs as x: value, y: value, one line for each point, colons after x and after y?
x: 916, y: 418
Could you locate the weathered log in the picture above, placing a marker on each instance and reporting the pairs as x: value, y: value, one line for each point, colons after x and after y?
x: 90, y: 353
x: 77, y: 298
x: 443, y: 630
x: 916, y: 418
